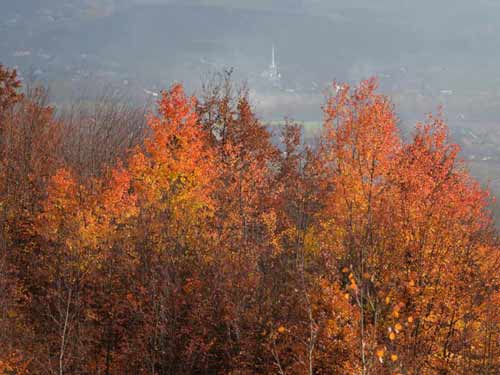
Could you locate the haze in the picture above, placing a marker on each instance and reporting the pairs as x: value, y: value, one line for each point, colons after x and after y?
x: 425, y: 53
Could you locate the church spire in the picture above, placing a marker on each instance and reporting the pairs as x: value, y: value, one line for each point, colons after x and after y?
x: 273, y: 58
x: 273, y: 73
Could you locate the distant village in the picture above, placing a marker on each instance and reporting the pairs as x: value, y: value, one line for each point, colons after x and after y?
x: 411, y: 90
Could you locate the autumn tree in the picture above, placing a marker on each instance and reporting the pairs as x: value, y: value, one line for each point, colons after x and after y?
x: 9, y: 88
x: 404, y: 224
x: 99, y: 131
x: 207, y: 242
x: 28, y: 149
x: 245, y: 194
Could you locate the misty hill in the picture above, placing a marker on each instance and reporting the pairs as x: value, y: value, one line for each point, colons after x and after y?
x: 318, y: 39
x: 425, y: 53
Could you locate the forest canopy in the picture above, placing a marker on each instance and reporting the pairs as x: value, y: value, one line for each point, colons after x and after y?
x: 192, y: 239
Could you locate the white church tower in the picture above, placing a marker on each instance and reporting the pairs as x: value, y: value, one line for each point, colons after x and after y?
x: 273, y: 58
x: 273, y: 74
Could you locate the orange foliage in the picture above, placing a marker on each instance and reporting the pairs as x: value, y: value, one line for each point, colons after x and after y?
x: 209, y: 249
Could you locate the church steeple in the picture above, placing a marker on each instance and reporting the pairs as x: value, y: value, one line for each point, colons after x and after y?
x: 273, y: 58
x: 272, y: 73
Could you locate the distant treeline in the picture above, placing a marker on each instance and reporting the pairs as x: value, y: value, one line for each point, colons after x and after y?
x: 185, y: 241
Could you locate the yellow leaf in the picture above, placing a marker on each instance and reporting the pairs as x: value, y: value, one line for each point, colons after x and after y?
x: 380, y: 353
x: 394, y: 357
x: 392, y: 336
x: 281, y: 329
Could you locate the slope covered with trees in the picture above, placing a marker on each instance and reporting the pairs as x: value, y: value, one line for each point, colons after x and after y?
x: 200, y: 247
